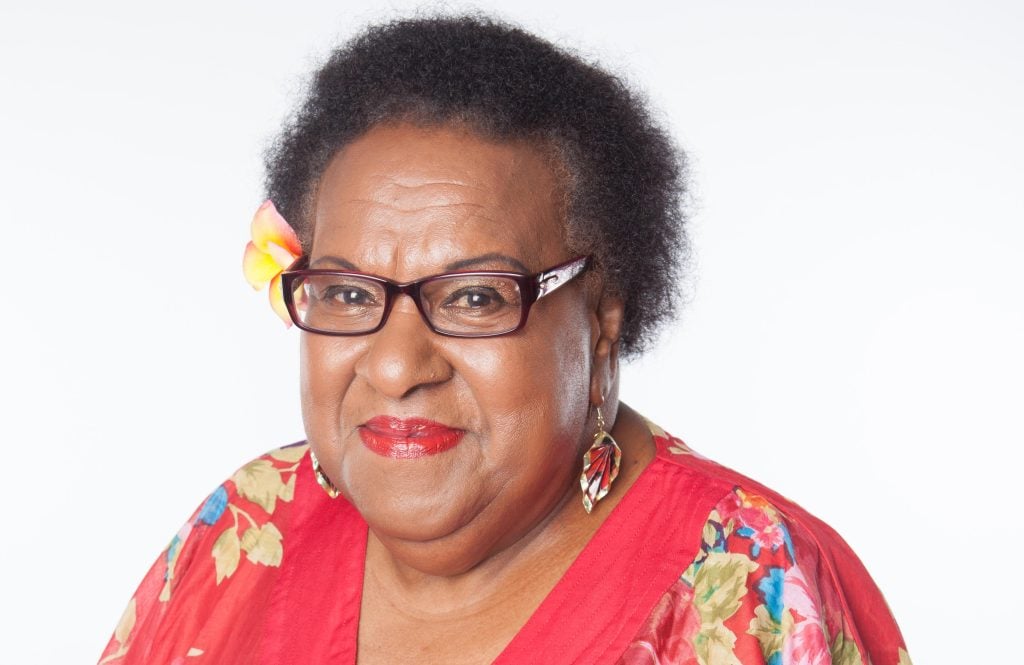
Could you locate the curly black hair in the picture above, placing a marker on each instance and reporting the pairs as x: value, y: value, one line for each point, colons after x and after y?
x: 626, y: 178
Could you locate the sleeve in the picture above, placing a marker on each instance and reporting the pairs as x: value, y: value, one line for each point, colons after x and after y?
x: 148, y: 607
x: 195, y: 600
x: 762, y: 592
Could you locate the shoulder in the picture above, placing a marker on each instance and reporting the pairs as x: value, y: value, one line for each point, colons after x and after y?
x: 232, y: 542
x: 243, y: 516
x: 245, y: 513
x: 748, y: 508
x: 771, y: 578
x: 251, y: 509
x: 784, y: 583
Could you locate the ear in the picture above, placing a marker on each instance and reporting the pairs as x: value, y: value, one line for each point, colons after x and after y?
x: 605, y: 363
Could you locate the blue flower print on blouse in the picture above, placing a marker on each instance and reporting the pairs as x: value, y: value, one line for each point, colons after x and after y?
x: 214, y: 506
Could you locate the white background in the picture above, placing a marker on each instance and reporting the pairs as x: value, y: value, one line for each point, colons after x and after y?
x: 854, y: 337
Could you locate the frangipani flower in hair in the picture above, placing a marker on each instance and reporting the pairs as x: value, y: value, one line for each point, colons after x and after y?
x: 274, y: 247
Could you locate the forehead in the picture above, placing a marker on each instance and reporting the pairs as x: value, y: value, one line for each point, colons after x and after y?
x: 418, y: 198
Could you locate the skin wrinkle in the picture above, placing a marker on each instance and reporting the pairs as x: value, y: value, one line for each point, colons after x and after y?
x: 413, y: 188
x: 467, y: 542
x: 415, y: 208
x: 474, y: 263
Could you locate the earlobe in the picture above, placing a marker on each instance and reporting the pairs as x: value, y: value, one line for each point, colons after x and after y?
x: 605, y: 363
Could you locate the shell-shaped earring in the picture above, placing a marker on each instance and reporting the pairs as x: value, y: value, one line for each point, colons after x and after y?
x: 321, y: 477
x: 600, y: 466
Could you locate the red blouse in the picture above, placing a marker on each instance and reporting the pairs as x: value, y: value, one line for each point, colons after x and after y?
x: 696, y: 564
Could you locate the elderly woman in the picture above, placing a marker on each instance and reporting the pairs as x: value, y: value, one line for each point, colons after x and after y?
x: 484, y: 226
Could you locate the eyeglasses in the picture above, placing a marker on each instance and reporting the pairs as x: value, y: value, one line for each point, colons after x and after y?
x: 456, y: 304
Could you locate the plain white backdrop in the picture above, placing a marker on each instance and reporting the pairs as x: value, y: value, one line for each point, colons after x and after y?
x: 853, y: 337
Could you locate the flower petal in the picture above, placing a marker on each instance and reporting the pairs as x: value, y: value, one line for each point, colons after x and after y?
x: 281, y: 256
x: 268, y: 226
x: 277, y: 300
x: 258, y: 267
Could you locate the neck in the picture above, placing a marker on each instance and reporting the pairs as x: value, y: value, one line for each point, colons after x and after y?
x: 459, y: 574
x: 444, y: 576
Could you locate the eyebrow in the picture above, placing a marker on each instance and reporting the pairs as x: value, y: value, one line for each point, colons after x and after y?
x: 487, y: 258
x: 336, y: 260
x: 461, y: 264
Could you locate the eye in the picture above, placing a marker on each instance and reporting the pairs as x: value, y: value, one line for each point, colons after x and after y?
x: 347, y: 295
x: 476, y: 297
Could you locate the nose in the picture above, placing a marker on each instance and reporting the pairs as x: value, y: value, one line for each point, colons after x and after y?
x: 404, y: 356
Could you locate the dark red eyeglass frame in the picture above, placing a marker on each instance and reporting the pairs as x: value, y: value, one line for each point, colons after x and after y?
x: 531, y: 288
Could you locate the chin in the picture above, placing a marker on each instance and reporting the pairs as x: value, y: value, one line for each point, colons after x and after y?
x: 413, y: 517
x: 432, y: 543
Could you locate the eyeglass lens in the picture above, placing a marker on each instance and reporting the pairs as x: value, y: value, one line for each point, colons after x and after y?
x: 459, y: 304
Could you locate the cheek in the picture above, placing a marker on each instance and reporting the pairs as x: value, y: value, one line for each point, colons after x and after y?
x: 326, y: 369
x: 533, y: 393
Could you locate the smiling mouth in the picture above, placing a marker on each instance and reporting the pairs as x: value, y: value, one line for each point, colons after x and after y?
x: 408, y: 438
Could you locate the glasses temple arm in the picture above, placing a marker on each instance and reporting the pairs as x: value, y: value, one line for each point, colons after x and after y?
x: 551, y: 280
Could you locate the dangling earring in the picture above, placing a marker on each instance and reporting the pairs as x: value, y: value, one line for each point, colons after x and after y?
x: 600, y: 466
x: 321, y: 477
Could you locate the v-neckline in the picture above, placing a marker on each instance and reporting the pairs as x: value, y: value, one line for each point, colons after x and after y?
x: 601, y: 601
x: 589, y: 615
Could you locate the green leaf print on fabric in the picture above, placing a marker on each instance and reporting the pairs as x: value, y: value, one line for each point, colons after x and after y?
x: 845, y: 651
x: 238, y: 511
x: 287, y: 492
x: 263, y: 545
x: 290, y: 454
x: 259, y: 481
x: 123, y: 632
x: 721, y: 584
x: 771, y: 634
x: 716, y: 645
x: 719, y: 587
x: 227, y: 552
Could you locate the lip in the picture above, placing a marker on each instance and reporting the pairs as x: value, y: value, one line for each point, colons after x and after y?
x: 408, y: 438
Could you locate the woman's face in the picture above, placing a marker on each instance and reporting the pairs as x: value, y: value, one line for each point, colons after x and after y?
x: 404, y: 202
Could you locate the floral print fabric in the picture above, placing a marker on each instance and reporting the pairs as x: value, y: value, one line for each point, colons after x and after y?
x: 225, y: 547
x: 746, y: 599
x: 751, y: 597
x: 754, y: 579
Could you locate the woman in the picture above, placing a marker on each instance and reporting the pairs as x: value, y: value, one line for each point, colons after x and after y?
x: 483, y: 225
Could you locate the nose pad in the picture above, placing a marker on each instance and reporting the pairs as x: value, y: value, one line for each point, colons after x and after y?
x: 404, y: 355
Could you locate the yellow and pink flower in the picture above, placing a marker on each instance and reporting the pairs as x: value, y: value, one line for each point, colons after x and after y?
x: 274, y: 247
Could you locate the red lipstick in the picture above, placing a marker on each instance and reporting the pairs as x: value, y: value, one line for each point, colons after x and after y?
x: 408, y: 438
